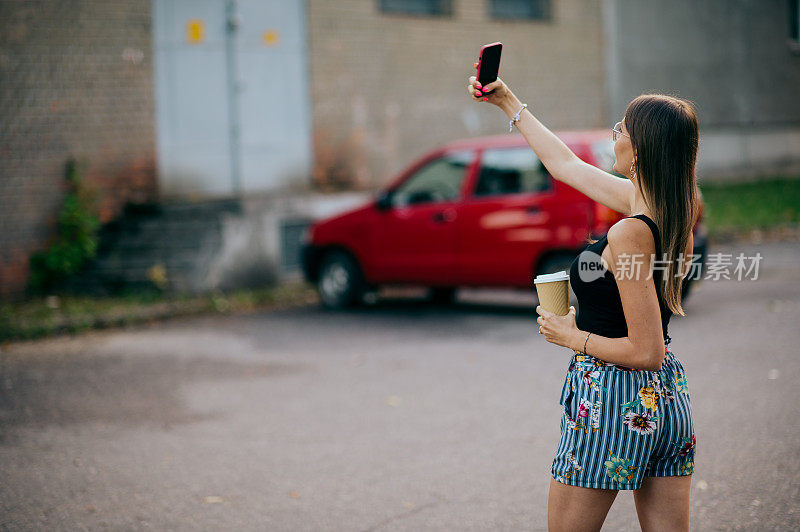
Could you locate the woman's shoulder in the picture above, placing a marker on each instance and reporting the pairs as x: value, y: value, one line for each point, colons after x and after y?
x: 631, y: 235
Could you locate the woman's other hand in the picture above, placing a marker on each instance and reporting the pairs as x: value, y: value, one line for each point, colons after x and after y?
x: 559, y: 330
x: 499, y: 90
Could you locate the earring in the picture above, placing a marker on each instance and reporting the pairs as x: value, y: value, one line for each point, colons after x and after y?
x: 633, y: 170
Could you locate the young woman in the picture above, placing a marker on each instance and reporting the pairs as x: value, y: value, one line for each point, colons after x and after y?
x: 627, y: 420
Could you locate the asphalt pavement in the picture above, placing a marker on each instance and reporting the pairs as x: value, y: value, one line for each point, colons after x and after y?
x: 396, y: 416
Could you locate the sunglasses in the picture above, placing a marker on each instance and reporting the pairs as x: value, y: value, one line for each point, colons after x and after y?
x: 617, y: 131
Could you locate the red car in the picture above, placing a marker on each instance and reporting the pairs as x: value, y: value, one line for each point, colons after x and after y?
x: 481, y: 212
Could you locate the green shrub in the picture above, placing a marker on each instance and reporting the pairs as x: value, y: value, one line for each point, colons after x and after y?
x: 76, y: 238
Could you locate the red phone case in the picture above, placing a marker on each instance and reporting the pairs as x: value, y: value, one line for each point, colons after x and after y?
x: 480, y: 58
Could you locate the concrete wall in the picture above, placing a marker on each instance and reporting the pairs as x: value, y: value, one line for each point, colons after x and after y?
x: 388, y: 87
x: 250, y: 248
x: 743, y: 153
x: 76, y: 80
x: 733, y: 58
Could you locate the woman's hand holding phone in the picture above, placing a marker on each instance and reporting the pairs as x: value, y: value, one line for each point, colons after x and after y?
x: 495, y: 92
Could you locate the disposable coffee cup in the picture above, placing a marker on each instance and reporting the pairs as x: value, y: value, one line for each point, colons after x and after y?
x: 553, y: 291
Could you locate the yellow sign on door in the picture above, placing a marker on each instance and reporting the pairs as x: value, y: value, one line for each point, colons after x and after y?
x: 271, y: 37
x: 195, y: 31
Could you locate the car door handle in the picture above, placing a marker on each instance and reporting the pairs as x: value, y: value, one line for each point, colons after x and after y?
x: 443, y: 217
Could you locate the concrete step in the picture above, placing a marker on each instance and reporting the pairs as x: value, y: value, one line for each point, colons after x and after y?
x: 177, y: 236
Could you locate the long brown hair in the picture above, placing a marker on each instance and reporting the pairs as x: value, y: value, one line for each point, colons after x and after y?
x: 664, y: 133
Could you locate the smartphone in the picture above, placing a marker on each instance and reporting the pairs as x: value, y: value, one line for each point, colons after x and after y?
x: 489, y: 63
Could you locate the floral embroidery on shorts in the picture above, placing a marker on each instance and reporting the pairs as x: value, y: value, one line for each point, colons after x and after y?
x: 592, y: 379
x: 680, y: 383
x: 662, y: 390
x: 642, y: 423
x: 588, y: 416
x: 667, y: 393
x: 686, y: 445
x: 647, y: 396
x: 590, y: 412
x: 619, y: 469
x: 572, y: 468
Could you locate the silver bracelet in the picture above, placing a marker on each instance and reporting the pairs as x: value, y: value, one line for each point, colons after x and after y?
x: 515, y: 118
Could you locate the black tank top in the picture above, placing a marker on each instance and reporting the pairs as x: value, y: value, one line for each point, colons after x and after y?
x: 599, y: 304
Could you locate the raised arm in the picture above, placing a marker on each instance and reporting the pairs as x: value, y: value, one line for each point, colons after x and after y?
x: 614, y: 192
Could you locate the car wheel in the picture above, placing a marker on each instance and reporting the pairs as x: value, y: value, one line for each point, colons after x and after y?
x: 442, y: 295
x: 341, y: 283
x: 556, y: 263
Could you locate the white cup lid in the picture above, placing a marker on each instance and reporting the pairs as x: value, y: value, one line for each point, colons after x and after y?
x: 551, y: 277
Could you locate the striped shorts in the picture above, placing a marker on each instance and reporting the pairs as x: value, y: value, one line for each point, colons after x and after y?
x: 620, y: 425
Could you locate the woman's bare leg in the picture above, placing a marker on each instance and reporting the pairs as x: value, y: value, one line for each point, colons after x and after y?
x: 663, y: 503
x: 574, y: 508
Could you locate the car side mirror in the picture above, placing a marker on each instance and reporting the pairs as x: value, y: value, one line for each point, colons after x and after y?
x: 383, y: 201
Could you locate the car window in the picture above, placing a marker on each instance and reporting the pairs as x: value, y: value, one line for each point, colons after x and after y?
x: 436, y: 182
x: 511, y: 171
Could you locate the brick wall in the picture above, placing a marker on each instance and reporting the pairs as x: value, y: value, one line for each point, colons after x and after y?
x: 76, y: 80
x: 388, y: 87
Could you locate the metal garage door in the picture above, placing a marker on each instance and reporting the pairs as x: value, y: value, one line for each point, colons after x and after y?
x: 232, y: 99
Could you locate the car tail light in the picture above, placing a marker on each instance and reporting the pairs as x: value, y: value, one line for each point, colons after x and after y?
x: 307, y: 235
